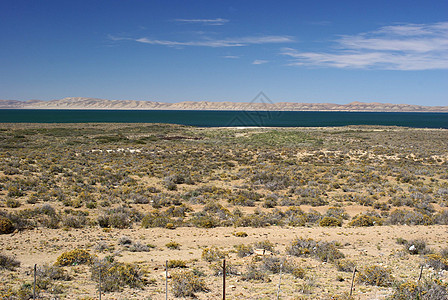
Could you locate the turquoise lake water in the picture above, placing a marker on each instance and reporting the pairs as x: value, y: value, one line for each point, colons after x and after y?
x: 227, y: 118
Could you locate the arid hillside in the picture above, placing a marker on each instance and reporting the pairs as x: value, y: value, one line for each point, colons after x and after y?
x: 265, y: 105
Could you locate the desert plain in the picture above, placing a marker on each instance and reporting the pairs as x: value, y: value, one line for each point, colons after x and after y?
x: 291, y: 210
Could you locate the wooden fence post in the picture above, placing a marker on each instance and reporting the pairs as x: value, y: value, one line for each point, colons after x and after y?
x: 421, y: 272
x: 353, y: 279
x: 418, y: 282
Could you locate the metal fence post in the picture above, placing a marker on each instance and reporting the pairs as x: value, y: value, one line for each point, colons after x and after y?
x: 34, y: 284
x: 224, y: 271
x: 166, y: 280
x: 100, y: 280
x: 280, y: 280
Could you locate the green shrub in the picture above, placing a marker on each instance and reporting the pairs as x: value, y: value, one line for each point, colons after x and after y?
x: 14, y: 191
x: 74, y: 257
x: 417, y: 246
x: 8, y: 262
x: 337, y: 212
x: 52, y: 272
x: 169, y: 184
x: 240, y: 234
x: 437, y: 261
x: 243, y: 250
x: 170, y: 226
x: 176, y: 263
x: 6, y: 225
x: 116, y: 275
x: 212, y: 254
x: 157, y: 219
x: 124, y: 240
x: 272, y: 264
x: 327, y: 252
x: 255, y: 273
x: 408, y: 290
x: 330, y: 222
x: 25, y: 292
x: 265, y: 245
x: 184, y: 283
x: 91, y: 205
x: 138, y: 247
x: 441, y: 217
x: 120, y: 220
x: 217, y: 269
x: 428, y: 289
x: 46, y: 275
x: 313, y: 216
x: 324, y: 251
x: 173, y: 245
x: 345, y: 265
x: 296, y: 271
x: 275, y: 264
x: 32, y: 199
x: 401, y: 241
x: 204, y: 220
x: 74, y: 221
x: 365, y: 221
x: 301, y: 247
x: 13, y: 203
x: 406, y: 217
x: 101, y: 247
x: 256, y: 220
x: 120, y: 217
x: 376, y: 275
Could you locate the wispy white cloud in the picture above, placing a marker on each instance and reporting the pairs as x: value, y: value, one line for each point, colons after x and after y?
x: 229, y: 42
x: 320, y: 23
x: 211, y: 22
x: 231, y: 56
x: 260, y: 62
x: 397, y: 47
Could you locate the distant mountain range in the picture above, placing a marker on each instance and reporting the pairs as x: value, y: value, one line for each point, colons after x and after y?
x: 94, y: 103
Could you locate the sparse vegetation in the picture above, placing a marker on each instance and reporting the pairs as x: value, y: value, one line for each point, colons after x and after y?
x: 345, y: 265
x: 365, y: 221
x: 212, y: 254
x: 324, y: 251
x: 430, y: 289
x: 185, y: 283
x: 74, y: 257
x: 376, y: 275
x: 141, y: 187
x: 173, y: 245
x: 240, y: 234
x: 116, y: 275
x: 254, y: 272
x: 176, y: 263
x: 330, y: 222
x: 417, y: 246
x: 8, y: 262
x: 6, y: 225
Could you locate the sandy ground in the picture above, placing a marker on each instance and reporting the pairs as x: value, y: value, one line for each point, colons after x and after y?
x: 365, y: 246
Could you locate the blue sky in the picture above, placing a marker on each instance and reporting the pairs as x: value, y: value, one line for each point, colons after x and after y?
x: 170, y: 51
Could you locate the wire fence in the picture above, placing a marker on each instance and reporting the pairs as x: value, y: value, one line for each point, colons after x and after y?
x: 168, y: 294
